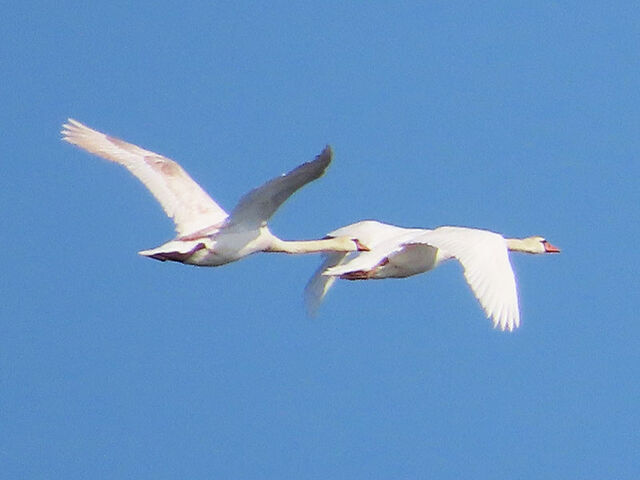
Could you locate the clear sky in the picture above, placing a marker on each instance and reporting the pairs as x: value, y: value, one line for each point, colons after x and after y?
x: 522, y: 118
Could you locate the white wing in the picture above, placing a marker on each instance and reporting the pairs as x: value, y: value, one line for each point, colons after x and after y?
x: 390, y: 242
x: 257, y: 206
x: 487, y: 269
x: 362, y: 261
x: 370, y: 232
x: 380, y: 238
x: 319, y: 284
x: 181, y: 197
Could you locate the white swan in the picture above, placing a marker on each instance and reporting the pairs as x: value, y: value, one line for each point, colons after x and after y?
x: 396, y: 252
x: 207, y: 236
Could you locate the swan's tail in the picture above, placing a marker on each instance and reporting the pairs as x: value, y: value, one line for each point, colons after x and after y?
x: 174, y: 250
x: 319, y: 284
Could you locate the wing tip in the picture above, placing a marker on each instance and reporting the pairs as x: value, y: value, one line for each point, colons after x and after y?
x: 72, y: 130
x: 324, y: 158
x: 327, y: 151
x: 505, y: 321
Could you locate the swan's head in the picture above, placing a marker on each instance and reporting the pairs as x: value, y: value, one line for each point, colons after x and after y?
x: 534, y: 244
x: 348, y: 244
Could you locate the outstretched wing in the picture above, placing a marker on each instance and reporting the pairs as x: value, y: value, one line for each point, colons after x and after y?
x: 389, y: 242
x: 257, y: 206
x: 183, y: 200
x: 371, y: 232
x: 487, y: 269
x: 380, y: 238
x: 319, y: 284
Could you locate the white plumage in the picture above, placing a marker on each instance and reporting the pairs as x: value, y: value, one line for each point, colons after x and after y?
x: 207, y: 235
x: 397, y: 252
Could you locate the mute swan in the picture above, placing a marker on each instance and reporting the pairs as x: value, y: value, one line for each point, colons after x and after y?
x: 207, y: 236
x: 396, y: 252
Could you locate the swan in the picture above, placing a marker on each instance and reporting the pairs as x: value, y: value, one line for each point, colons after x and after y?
x: 207, y: 235
x: 397, y: 252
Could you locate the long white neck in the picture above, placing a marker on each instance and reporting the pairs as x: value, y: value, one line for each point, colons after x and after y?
x: 338, y: 244
x: 526, y: 245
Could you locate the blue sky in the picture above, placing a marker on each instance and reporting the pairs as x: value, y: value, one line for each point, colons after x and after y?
x: 518, y: 118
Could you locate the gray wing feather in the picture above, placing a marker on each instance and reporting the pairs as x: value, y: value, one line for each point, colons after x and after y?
x: 257, y: 206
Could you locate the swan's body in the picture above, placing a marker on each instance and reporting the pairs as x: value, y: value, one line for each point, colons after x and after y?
x: 207, y: 235
x: 396, y: 252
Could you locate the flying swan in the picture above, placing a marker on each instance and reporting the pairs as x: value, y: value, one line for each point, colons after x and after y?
x: 207, y: 235
x: 396, y: 252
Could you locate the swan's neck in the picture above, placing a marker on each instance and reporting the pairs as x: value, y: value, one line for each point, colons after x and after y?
x: 338, y: 244
x: 520, y: 245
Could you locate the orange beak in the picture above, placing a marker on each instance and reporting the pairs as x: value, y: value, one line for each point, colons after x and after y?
x: 550, y: 248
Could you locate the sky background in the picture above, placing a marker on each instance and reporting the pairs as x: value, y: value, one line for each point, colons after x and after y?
x: 522, y: 118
